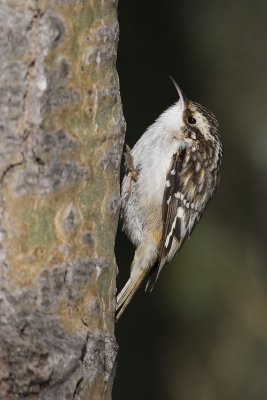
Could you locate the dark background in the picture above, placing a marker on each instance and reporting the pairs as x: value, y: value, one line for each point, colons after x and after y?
x: 202, y: 333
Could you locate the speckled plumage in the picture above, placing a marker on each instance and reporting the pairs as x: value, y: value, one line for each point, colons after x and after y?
x: 177, y: 165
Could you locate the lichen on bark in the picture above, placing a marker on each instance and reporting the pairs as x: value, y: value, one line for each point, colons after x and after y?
x: 62, y: 131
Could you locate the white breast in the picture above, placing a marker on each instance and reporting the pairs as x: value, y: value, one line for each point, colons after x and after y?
x: 152, y: 156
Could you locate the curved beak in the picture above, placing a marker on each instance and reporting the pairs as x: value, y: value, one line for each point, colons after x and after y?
x: 182, y: 96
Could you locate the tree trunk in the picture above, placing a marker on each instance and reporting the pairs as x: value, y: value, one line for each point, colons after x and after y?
x: 62, y: 131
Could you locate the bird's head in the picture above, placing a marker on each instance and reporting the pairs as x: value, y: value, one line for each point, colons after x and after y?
x: 196, y: 121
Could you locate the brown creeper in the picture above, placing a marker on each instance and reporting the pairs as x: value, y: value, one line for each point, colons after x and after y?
x: 175, y: 165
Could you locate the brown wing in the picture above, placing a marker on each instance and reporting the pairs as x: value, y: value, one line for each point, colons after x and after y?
x: 173, y: 213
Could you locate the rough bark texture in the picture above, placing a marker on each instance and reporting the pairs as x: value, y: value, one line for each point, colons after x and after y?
x: 61, y: 128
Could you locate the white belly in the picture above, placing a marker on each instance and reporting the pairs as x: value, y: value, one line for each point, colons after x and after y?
x: 143, y: 207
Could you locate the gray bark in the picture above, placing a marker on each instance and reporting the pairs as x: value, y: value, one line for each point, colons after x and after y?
x: 62, y: 130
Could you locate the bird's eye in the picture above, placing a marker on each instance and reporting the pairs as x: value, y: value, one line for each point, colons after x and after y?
x: 191, y: 120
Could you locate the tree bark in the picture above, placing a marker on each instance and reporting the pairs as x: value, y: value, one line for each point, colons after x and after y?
x: 62, y: 130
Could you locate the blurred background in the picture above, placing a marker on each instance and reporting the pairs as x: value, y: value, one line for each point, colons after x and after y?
x: 202, y: 333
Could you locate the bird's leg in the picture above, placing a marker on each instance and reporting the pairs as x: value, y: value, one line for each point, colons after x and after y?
x: 131, y: 171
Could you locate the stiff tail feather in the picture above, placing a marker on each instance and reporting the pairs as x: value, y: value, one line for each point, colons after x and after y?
x: 153, y: 276
x: 128, y: 291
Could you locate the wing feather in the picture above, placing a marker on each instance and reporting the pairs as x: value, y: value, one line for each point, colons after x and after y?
x: 172, y: 213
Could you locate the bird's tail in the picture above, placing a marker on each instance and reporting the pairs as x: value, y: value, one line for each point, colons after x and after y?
x: 128, y: 291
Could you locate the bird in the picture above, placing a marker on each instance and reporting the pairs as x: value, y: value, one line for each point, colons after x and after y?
x: 171, y: 174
